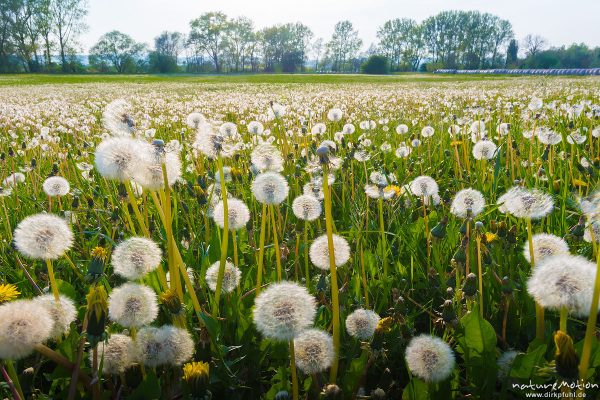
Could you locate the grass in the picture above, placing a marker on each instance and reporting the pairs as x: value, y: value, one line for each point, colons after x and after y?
x: 41, y: 79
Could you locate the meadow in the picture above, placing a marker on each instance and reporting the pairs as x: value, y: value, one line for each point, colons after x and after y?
x: 286, y: 237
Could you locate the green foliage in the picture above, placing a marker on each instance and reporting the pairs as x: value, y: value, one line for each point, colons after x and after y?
x: 376, y: 65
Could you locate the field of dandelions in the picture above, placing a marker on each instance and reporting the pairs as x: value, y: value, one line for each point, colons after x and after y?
x: 334, y: 241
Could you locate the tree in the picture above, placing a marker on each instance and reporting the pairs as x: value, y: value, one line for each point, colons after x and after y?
x: 67, y: 19
x: 396, y: 40
x: 208, y: 33
x: 117, y: 50
x: 284, y: 47
x: 239, y: 35
x: 533, y: 44
x: 376, y: 64
x: 343, y: 45
x: 317, y: 49
x: 167, y: 47
x: 512, y: 54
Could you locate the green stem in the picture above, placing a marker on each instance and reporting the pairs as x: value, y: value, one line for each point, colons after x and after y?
x: 275, y: 241
x: 306, y: 258
x: 295, y: 394
x: 539, y: 311
x: 335, y: 302
x: 261, y: 248
x: 383, y: 240
x: 12, y: 372
x: 53, y: 285
x: 224, y: 240
x: 480, y: 272
x: 564, y: 313
x: 136, y: 209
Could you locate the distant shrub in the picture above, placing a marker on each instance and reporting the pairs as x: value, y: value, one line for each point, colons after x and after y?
x: 378, y: 65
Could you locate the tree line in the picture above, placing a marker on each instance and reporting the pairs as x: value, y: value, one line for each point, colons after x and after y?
x: 42, y: 36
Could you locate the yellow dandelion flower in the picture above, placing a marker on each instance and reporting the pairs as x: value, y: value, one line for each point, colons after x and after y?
x: 196, y: 375
x: 456, y: 143
x: 99, y: 252
x: 490, y: 237
x: 384, y: 324
x: 396, y: 189
x: 8, y: 292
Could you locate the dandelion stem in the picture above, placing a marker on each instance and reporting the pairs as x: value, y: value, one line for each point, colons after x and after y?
x: 136, y: 209
x: 275, y: 242
x: 306, y: 259
x: 261, y: 248
x: 294, y: 372
x: 480, y: 272
x: 383, y: 240
x: 539, y: 311
x: 224, y: 239
x: 13, y: 379
x: 564, y: 313
x: 335, y: 302
x: 53, y: 284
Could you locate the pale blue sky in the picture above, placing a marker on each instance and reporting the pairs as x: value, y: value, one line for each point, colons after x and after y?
x: 559, y: 21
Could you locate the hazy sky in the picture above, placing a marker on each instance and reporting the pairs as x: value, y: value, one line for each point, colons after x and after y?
x: 559, y: 21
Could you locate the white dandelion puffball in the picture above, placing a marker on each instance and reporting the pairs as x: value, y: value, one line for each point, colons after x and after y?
x: 194, y: 120
x: 275, y: 111
x: 545, y: 245
x: 231, y: 277
x: 238, y: 213
x: 116, y: 354
x: 266, y: 157
x: 484, y: 150
x: 314, y: 351
x: 335, y: 114
x: 563, y: 281
x: 132, y: 305
x: 548, y: 136
x: 283, y: 310
x: 403, y: 151
x: 135, y: 257
x: 361, y: 324
x: 24, y: 325
x: 423, y: 186
x: 319, y: 251
x: 348, y: 129
x: 525, y: 203
x: 167, y: 345
x: 429, y: 358
x: 402, y: 129
x: 43, y: 236
x: 306, y: 207
x: 116, y: 158
x: 149, y: 170
x: 13, y: 179
x: 587, y: 235
x: 467, y: 202
x: 62, y: 313
x: 270, y: 188
x: 56, y: 186
x: 318, y: 129
x: 256, y: 128
x: 535, y: 104
x: 427, y: 131
x: 117, y: 119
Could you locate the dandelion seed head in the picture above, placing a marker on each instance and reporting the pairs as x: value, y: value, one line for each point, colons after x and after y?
x: 423, y: 186
x: 194, y: 120
x: 484, y: 150
x: 430, y: 358
x: 545, y: 245
x: 62, y: 313
x: 319, y: 251
x: 132, y: 305
x: 361, y: 323
x: 43, y: 236
x: 117, y: 118
x: 467, y: 202
x: 306, y: 207
x: 24, y: 325
x: 283, y: 310
x: 270, y: 188
x: 267, y: 157
x: 167, y: 345
x: 116, y: 158
x: 563, y: 281
x: 135, y: 257
x: 314, y: 351
x: 231, y: 277
x: 56, y: 186
x: 116, y: 354
x: 238, y: 213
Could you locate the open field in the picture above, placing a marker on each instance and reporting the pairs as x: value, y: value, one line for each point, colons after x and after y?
x: 298, y: 236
